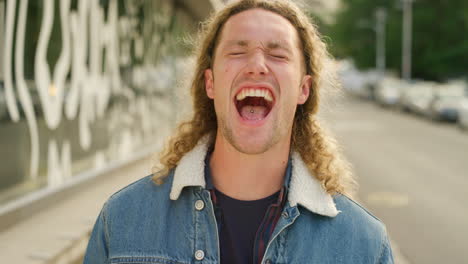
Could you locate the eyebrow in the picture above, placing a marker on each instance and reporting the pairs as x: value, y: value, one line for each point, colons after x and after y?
x: 271, y: 45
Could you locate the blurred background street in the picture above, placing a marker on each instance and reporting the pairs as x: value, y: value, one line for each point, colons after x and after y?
x: 412, y: 174
x: 89, y: 90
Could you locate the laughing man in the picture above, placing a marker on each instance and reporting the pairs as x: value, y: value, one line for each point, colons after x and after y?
x: 251, y: 178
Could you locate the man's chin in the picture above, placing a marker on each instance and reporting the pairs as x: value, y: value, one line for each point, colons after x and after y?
x: 252, y: 146
x: 248, y: 141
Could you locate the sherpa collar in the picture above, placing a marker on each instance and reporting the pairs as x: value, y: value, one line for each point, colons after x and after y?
x: 304, y: 188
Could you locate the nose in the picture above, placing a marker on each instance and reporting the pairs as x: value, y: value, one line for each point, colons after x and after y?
x: 256, y: 65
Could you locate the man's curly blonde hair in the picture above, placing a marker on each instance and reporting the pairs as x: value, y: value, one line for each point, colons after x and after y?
x: 318, y: 150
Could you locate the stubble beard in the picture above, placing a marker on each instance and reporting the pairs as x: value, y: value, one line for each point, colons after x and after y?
x: 228, y: 134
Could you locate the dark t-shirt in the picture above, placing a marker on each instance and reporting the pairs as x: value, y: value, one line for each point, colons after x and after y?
x: 240, y: 221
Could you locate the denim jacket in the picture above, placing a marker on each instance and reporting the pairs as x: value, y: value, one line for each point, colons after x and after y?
x: 174, y: 223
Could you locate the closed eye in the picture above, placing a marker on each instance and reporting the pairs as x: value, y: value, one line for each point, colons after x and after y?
x: 236, y: 53
x: 279, y: 56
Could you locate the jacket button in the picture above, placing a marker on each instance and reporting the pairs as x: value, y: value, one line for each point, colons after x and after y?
x: 199, y: 205
x: 199, y: 254
x: 285, y: 215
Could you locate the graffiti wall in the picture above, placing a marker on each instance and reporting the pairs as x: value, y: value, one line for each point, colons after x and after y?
x: 83, y: 83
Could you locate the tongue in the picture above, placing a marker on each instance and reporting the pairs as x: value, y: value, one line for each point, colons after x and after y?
x: 251, y: 112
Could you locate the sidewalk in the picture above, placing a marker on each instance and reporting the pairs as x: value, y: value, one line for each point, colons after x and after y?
x: 60, y: 233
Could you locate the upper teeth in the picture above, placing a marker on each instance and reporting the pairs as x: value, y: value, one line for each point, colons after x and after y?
x: 255, y: 93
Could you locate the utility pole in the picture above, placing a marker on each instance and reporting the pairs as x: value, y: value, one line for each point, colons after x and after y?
x: 381, y: 16
x: 407, y: 39
x: 2, y: 34
x: 379, y: 30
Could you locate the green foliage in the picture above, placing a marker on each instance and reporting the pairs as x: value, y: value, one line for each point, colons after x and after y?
x: 440, y: 36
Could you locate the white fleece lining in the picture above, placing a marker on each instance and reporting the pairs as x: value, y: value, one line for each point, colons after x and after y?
x: 304, y: 188
x: 191, y: 169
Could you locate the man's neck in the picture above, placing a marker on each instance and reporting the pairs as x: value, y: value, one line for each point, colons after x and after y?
x: 248, y: 177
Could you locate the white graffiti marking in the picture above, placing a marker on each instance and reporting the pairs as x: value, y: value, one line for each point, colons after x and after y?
x: 99, y: 160
x: 90, y: 86
x: 86, y: 33
x: 9, y: 94
x: 58, y: 166
x: 25, y: 98
x: 79, y: 26
x: 51, y: 92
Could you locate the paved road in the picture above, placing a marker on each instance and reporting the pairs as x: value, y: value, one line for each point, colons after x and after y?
x: 413, y: 174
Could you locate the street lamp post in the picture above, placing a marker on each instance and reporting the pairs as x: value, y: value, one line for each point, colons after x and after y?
x: 381, y: 16
x: 2, y: 44
x: 379, y: 30
x: 407, y: 39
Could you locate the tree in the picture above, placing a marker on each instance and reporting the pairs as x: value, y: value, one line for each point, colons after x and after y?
x: 440, y: 36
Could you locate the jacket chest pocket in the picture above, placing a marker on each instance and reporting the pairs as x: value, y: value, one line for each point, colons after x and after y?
x: 144, y: 260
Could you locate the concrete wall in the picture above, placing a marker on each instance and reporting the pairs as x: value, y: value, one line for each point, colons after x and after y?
x: 86, y: 85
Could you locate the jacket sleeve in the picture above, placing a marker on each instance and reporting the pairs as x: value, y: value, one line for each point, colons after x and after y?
x: 386, y: 255
x: 97, y: 251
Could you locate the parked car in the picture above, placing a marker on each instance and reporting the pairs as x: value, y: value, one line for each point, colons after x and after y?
x: 388, y: 91
x: 352, y: 81
x: 417, y: 96
x: 446, y: 101
x: 463, y: 113
x: 372, y: 78
x: 358, y: 83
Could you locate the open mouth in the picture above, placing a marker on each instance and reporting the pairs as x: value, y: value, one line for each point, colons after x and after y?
x: 254, y: 104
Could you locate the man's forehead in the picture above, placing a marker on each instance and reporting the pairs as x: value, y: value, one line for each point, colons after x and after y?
x: 255, y: 25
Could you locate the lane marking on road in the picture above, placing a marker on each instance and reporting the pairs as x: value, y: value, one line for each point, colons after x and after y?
x: 388, y: 199
x: 357, y: 125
